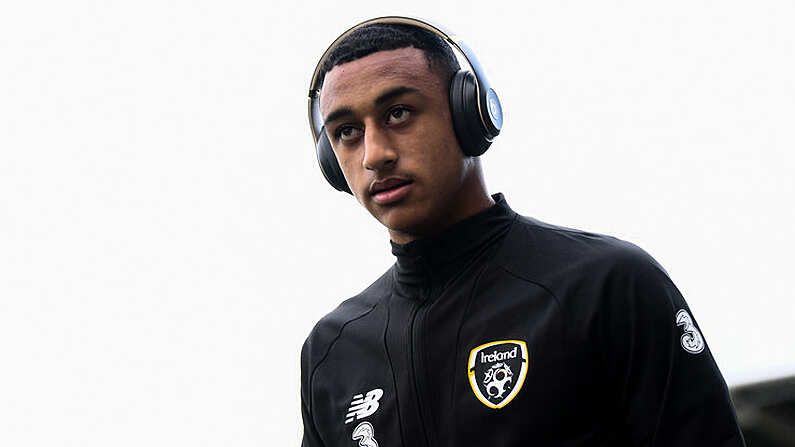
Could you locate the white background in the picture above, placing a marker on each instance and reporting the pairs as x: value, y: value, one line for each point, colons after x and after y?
x: 167, y: 241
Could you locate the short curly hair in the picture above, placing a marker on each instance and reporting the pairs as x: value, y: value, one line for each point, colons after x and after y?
x: 392, y: 36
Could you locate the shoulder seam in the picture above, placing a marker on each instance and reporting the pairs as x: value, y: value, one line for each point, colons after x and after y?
x: 546, y: 289
x: 328, y: 350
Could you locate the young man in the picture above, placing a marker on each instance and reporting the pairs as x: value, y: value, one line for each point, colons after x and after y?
x: 491, y: 329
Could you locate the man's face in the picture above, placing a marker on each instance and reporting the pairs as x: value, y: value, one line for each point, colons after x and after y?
x: 387, y: 116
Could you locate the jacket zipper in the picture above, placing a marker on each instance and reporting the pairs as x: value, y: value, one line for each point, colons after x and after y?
x: 417, y: 366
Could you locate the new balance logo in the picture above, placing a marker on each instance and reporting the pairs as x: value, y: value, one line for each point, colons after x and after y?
x: 364, y: 405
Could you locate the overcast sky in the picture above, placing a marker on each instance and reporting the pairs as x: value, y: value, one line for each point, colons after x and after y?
x: 167, y: 240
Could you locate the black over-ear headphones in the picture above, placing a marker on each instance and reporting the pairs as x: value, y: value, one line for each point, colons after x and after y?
x: 474, y: 105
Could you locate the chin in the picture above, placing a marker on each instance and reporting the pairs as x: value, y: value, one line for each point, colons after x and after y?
x: 396, y: 222
x: 406, y: 221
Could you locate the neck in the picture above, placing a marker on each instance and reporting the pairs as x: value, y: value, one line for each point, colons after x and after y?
x: 474, y: 198
x: 404, y: 238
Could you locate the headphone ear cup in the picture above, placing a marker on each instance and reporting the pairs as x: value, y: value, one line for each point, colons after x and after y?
x: 466, y: 117
x: 329, y: 164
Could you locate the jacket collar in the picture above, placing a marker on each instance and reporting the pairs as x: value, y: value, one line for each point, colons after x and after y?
x: 424, y: 266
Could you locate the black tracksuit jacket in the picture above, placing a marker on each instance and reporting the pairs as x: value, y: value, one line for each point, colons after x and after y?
x: 507, y: 331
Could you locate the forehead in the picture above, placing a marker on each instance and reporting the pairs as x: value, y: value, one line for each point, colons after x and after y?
x: 366, y: 77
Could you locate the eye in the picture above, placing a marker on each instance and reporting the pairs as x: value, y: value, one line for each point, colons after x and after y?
x: 347, y: 133
x: 397, y: 115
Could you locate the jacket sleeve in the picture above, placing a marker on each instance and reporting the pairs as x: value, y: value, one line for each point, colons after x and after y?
x: 311, y: 437
x: 668, y: 387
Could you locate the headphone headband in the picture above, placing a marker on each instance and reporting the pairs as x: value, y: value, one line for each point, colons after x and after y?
x: 487, y: 98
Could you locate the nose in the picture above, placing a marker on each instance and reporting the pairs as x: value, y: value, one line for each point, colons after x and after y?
x: 379, y: 152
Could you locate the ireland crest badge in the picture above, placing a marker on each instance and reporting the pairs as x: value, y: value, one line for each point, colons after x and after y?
x: 497, y: 371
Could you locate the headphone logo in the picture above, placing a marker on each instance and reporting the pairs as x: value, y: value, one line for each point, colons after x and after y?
x: 495, y: 109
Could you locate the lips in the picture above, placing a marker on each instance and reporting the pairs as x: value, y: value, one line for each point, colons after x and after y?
x: 390, y: 190
x: 387, y: 184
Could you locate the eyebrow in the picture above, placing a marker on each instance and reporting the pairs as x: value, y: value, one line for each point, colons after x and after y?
x: 382, y: 98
